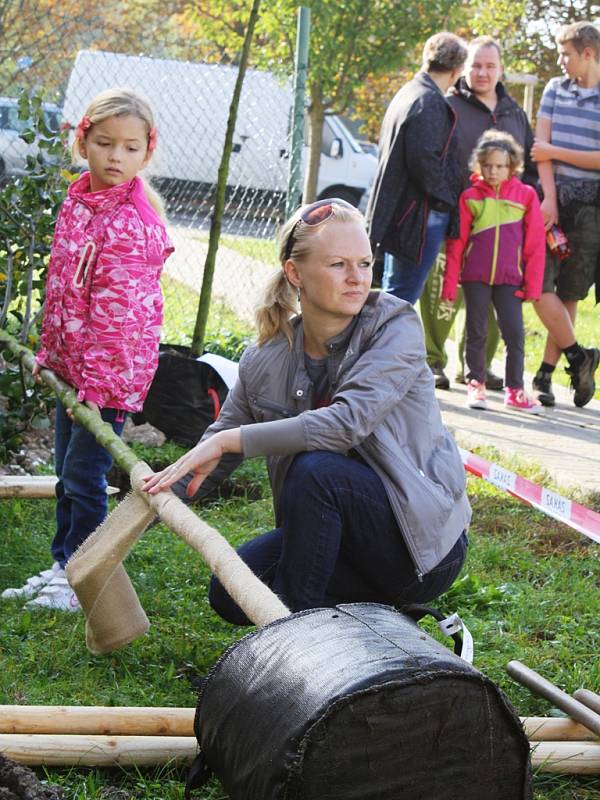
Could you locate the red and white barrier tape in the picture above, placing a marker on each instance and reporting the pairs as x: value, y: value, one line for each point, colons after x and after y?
x: 579, y: 517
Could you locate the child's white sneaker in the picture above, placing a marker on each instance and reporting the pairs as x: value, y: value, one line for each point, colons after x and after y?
x: 476, y: 395
x: 34, y: 584
x: 57, y: 595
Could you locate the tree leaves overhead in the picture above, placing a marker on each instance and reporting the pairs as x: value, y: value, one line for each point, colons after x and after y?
x: 526, y: 29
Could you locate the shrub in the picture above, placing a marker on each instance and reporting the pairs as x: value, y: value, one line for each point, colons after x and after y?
x: 28, y: 209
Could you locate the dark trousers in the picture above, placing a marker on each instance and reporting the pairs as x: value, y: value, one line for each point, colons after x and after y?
x: 509, y: 312
x: 81, y: 468
x: 404, y: 278
x: 338, y: 542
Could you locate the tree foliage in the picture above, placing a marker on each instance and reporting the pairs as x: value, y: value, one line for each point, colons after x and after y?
x: 527, y: 28
x: 350, y: 43
x: 28, y: 209
x: 39, y: 39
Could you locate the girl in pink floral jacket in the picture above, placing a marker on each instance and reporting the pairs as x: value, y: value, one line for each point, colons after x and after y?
x: 103, y: 314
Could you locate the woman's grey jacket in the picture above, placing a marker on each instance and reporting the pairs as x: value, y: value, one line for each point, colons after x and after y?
x: 383, y: 407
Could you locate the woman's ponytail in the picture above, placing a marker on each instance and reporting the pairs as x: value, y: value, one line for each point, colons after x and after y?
x: 278, y: 305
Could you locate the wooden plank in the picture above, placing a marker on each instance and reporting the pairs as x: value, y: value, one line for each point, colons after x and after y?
x: 107, y: 720
x: 566, y: 758
x: 33, y: 486
x: 97, y: 751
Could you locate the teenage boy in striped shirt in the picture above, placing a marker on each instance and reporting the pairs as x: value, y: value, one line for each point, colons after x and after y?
x: 567, y: 152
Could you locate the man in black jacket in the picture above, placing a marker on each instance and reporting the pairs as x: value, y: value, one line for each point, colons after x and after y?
x: 480, y: 102
x: 416, y: 186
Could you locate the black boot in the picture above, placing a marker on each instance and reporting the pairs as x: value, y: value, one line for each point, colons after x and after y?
x: 542, y: 388
x: 582, y: 377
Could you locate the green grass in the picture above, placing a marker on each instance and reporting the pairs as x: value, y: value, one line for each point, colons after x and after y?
x: 181, y: 307
x: 264, y: 250
x: 529, y: 591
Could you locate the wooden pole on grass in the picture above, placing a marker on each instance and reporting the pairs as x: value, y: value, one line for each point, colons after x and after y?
x: 170, y: 721
x: 34, y: 487
x: 580, y: 758
x: 98, y: 720
x: 97, y: 751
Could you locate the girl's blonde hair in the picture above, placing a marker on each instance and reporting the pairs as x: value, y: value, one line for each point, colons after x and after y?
x: 280, y: 300
x: 122, y: 102
x: 497, y: 140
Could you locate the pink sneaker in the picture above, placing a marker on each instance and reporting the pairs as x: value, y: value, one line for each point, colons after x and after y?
x: 516, y: 398
x: 476, y: 395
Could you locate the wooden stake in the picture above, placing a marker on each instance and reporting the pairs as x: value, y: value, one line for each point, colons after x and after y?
x: 97, y: 751
x: 566, y: 758
x: 582, y: 758
x: 106, y: 720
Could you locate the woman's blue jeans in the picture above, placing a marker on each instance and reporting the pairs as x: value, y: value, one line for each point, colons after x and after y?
x: 338, y: 542
x: 81, y: 467
x: 405, y: 278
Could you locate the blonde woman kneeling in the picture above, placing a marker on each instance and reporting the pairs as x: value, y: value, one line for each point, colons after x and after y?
x: 368, y: 485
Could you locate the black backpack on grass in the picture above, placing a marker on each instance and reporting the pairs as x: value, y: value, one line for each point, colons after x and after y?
x: 185, y: 397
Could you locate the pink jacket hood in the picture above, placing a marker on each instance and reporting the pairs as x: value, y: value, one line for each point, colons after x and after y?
x: 103, y: 308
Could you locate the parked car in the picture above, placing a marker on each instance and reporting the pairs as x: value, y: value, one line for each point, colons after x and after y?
x: 13, y: 150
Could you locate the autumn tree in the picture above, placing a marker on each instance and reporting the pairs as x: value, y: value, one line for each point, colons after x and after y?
x: 349, y: 42
x: 527, y: 28
x: 39, y: 39
x: 33, y: 34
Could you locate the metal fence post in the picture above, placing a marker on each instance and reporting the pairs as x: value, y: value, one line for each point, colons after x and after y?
x: 297, y: 138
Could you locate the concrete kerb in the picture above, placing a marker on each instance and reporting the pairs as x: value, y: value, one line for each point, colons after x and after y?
x: 564, y: 440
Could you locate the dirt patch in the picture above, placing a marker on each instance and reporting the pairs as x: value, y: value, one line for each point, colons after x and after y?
x: 37, y: 448
x: 21, y: 783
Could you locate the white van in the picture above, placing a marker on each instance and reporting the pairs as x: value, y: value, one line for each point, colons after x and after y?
x: 191, y: 105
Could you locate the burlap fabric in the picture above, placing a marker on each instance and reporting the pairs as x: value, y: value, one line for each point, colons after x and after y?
x: 113, y: 613
x: 114, y: 616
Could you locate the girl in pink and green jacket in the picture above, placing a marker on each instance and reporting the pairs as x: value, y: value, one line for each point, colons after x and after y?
x: 498, y: 258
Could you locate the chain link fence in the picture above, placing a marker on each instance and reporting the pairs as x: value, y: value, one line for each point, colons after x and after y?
x: 191, y: 101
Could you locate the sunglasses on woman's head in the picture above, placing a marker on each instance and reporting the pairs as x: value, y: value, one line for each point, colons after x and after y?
x: 314, y: 214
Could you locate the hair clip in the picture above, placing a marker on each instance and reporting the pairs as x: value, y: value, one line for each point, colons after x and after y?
x: 152, y: 137
x: 84, y: 125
